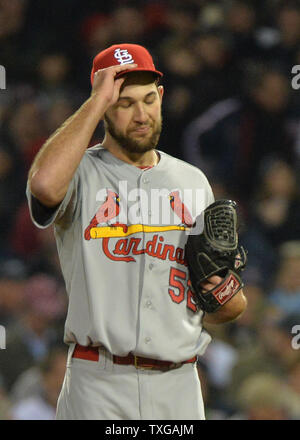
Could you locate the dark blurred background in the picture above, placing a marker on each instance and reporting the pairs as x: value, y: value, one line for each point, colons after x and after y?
x: 230, y: 109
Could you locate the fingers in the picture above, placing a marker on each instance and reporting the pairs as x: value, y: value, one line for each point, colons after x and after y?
x: 122, y: 67
x: 215, y: 279
x: 116, y: 69
x: 106, y: 85
x: 207, y: 286
x: 119, y: 82
x: 211, y: 283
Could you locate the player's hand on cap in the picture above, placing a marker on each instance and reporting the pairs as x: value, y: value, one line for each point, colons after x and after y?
x: 105, y: 84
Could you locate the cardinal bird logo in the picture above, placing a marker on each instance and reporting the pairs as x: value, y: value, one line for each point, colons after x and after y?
x: 104, y: 224
x: 180, y: 209
x: 107, y: 211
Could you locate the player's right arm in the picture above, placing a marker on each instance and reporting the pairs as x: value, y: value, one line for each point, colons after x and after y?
x: 57, y: 161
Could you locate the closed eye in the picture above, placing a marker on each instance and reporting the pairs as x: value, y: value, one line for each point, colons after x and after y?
x: 150, y: 100
x: 125, y: 103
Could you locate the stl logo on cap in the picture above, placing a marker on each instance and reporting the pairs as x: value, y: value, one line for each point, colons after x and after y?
x: 123, y: 56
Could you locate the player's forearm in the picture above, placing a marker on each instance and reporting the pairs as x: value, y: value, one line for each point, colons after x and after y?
x: 58, y: 159
x: 229, y: 311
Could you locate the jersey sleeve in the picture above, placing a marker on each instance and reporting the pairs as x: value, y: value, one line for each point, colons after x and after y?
x: 43, y: 216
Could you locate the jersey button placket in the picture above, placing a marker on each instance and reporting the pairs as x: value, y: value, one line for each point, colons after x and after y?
x: 144, y: 210
x: 149, y: 304
x: 146, y: 301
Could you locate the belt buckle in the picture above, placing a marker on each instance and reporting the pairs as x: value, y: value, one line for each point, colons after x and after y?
x: 150, y: 367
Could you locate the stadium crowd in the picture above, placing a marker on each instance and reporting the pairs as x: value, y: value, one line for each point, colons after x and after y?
x: 230, y: 109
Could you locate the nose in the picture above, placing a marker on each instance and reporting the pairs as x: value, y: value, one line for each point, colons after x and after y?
x: 140, y: 114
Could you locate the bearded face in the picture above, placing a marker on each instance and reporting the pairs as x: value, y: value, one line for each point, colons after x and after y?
x: 134, y: 122
x: 137, y: 138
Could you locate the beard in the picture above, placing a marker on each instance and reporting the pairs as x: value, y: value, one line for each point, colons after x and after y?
x: 132, y: 144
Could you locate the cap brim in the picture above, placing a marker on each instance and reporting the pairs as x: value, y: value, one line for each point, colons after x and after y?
x: 139, y: 69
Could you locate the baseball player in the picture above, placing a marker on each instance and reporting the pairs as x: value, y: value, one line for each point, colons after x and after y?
x: 122, y: 211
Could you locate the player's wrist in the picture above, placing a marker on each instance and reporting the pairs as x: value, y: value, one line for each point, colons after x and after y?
x: 230, y: 311
x: 98, y: 103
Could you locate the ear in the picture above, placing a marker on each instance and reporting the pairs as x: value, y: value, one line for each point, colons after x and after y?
x: 161, y: 91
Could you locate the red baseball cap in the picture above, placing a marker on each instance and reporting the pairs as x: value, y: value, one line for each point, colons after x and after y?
x: 124, y: 54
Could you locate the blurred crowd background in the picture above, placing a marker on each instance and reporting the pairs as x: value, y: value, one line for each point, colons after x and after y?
x: 230, y: 109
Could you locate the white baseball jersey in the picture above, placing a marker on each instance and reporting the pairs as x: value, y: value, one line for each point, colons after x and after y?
x: 121, y: 233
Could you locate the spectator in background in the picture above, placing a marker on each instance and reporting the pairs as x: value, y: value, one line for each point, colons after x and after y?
x: 24, y: 239
x: 210, y: 49
x: 264, y: 396
x: 216, y: 408
x: 25, y: 132
x: 211, y: 15
x: 262, y: 256
x: 36, y: 246
x: 5, y: 405
x: 39, y: 327
x: 38, y: 400
x: 271, y: 353
x: 284, y: 52
x: 285, y: 294
x: 219, y: 77
x: 224, y: 356
x: 96, y: 32
x: 53, y: 71
x: 182, y: 67
x: 13, y: 275
x: 244, y: 333
x: 275, y: 209
x: 219, y: 360
x: 13, y: 38
x: 232, y: 138
x: 155, y: 13
x: 59, y: 110
x: 128, y: 24
x: 21, y: 137
x: 240, y: 23
x: 294, y: 377
x: 9, y: 193
x: 181, y: 20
